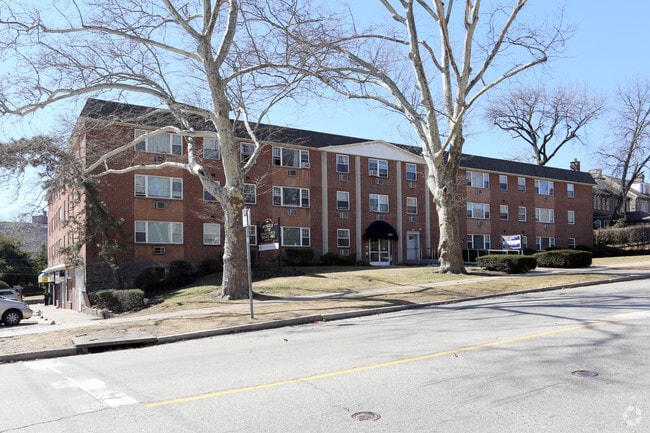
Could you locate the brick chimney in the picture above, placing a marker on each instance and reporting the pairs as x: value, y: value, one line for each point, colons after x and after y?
x: 574, y: 165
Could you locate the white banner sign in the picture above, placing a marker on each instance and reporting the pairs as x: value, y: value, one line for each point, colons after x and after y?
x: 511, y: 242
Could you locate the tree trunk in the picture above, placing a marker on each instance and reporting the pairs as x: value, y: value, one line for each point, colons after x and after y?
x: 449, y: 245
x: 235, y: 258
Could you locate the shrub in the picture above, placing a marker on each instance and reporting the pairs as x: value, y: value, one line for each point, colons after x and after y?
x: 150, y: 278
x: 564, y: 259
x: 210, y: 265
x: 118, y: 301
x: 509, y: 264
x: 333, y: 259
x: 3, y: 285
x: 298, y: 256
x: 181, y: 272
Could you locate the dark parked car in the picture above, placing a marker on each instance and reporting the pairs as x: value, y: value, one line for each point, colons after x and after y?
x: 12, y: 312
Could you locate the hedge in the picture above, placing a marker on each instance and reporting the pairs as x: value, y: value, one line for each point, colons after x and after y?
x: 117, y: 301
x: 509, y: 264
x: 564, y: 259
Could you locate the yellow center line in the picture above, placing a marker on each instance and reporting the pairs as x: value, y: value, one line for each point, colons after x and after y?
x: 380, y: 365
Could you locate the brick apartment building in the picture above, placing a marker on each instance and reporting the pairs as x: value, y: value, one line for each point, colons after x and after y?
x: 327, y: 193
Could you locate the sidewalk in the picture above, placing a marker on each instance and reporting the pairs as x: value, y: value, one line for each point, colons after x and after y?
x: 49, y: 319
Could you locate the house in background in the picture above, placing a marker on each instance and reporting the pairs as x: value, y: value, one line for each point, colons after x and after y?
x: 605, y: 195
x: 326, y: 193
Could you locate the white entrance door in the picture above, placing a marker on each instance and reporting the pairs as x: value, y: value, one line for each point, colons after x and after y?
x: 413, y: 247
x: 380, y: 252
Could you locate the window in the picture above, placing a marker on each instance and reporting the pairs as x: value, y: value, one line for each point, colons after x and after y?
x: 295, y: 236
x: 411, y: 172
x: 543, y: 187
x: 211, y: 148
x: 478, y: 242
x: 343, y: 238
x: 571, y: 217
x: 378, y: 203
x: 411, y: 205
x: 246, y: 151
x: 158, y: 187
x: 478, y: 180
x: 521, y: 184
x: 378, y: 167
x: 211, y: 234
x: 252, y: 234
x: 521, y: 214
x: 570, y: 190
x: 544, y: 215
x: 250, y: 193
x: 207, y: 196
x: 162, y: 143
x: 572, y: 243
x: 503, y: 182
x: 158, y: 232
x: 543, y: 244
x: 288, y: 196
x: 342, y: 164
x: 290, y: 157
x: 478, y: 210
x: 342, y: 200
x: 503, y: 212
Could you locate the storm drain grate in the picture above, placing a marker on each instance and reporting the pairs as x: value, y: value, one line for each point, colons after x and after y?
x: 585, y: 373
x: 366, y: 416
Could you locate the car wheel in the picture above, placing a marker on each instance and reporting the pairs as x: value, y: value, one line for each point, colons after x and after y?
x: 12, y: 317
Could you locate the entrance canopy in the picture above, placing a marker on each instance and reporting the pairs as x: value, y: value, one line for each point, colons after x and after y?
x: 380, y: 230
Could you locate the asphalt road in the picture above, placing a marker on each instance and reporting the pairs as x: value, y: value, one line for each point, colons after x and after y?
x: 567, y: 361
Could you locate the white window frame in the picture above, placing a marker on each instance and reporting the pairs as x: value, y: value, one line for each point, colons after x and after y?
x: 411, y: 205
x: 343, y: 238
x: 252, y: 234
x: 143, y: 181
x: 288, y: 157
x: 377, y: 167
x: 279, y: 196
x: 544, y: 187
x: 520, y: 214
x: 549, y: 240
x: 304, y: 234
x: 174, y: 232
x: 250, y: 193
x: 572, y: 243
x: 211, y: 148
x: 502, y: 212
x: 382, y: 203
x: 570, y: 190
x: 521, y: 184
x: 544, y: 215
x: 342, y: 163
x: 207, y: 196
x: 411, y: 172
x: 503, y: 182
x: 174, y: 143
x: 246, y: 150
x: 477, y: 179
x: 342, y: 197
x: 478, y: 210
x: 571, y: 217
x: 211, y: 234
x: 471, y: 243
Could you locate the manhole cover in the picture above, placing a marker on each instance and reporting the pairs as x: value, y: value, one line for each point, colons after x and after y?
x: 366, y: 416
x: 585, y: 373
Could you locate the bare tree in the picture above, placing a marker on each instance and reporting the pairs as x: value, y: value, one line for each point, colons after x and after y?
x: 216, y: 60
x: 400, y: 69
x: 546, y: 119
x: 628, y: 153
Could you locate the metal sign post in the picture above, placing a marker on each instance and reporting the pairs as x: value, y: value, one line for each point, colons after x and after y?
x: 246, y: 217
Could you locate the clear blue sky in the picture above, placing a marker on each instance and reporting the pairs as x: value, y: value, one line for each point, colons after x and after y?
x: 609, y: 46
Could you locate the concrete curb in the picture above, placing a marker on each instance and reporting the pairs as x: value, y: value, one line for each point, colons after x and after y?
x: 297, y: 321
